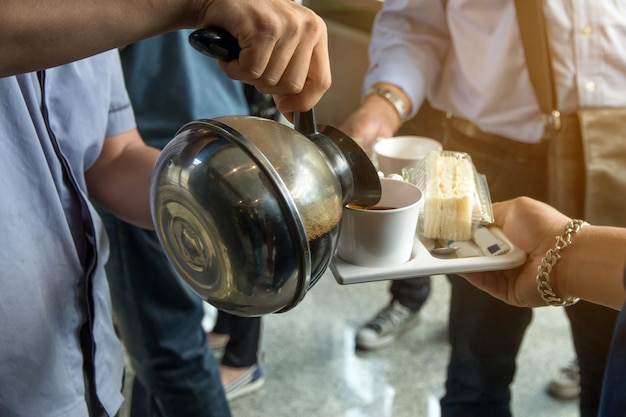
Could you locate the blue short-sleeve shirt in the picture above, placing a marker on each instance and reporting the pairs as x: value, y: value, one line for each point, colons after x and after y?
x: 49, y: 119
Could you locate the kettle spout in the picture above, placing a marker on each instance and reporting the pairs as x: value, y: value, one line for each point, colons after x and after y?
x: 357, y: 175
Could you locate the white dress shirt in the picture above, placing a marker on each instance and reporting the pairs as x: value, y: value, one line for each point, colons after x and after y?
x: 467, y: 58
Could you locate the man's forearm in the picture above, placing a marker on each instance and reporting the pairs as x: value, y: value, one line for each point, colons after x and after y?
x: 37, y: 35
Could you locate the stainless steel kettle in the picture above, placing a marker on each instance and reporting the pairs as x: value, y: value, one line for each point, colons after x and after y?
x: 247, y: 209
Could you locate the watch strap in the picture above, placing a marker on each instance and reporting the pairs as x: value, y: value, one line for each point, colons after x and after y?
x: 392, y: 98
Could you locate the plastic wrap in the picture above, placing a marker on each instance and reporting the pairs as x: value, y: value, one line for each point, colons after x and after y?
x: 456, y: 196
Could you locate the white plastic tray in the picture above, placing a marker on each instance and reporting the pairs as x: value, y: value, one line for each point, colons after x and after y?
x: 423, y: 263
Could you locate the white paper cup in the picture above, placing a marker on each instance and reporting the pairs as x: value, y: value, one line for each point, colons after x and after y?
x: 393, y: 154
x: 378, y: 238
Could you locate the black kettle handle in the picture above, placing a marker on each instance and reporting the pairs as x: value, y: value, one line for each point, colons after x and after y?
x: 215, y: 42
x: 304, y: 122
x: 220, y: 44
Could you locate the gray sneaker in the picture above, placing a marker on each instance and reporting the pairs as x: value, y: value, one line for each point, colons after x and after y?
x: 388, y: 324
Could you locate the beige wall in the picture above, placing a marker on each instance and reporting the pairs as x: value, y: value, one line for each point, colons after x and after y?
x: 349, y: 61
x: 349, y: 24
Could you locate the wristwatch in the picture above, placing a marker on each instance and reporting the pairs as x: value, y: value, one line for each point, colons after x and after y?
x: 392, y: 98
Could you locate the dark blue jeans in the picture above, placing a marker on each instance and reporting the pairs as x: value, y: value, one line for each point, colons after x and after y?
x: 486, y: 342
x: 485, y: 337
x: 486, y: 334
x: 159, y: 321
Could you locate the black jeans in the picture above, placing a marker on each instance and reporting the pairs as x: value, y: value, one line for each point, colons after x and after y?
x: 412, y: 292
x: 485, y: 334
x: 243, y: 344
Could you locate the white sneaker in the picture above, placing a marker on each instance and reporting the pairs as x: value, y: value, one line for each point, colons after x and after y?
x: 252, y: 381
x: 565, y: 385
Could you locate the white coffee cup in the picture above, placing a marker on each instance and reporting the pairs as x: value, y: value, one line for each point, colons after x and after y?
x: 381, y: 237
x: 393, y: 154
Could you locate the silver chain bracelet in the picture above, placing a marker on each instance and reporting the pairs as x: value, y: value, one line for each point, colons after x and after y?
x: 549, y: 261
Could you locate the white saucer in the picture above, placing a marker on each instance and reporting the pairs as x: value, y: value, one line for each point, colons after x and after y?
x: 422, y: 263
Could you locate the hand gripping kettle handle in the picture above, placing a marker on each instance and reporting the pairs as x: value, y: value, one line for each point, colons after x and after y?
x: 215, y: 42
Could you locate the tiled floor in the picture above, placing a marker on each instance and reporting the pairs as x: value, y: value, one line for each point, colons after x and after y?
x: 312, y: 368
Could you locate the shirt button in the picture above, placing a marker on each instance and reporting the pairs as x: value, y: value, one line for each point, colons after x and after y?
x: 587, y: 30
x: 590, y: 86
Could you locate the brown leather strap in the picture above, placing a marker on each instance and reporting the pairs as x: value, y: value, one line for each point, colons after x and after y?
x: 533, y: 32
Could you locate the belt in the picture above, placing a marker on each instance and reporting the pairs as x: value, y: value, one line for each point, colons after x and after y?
x: 467, y: 128
x: 470, y: 129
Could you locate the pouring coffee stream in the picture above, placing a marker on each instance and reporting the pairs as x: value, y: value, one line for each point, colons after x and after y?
x: 247, y: 209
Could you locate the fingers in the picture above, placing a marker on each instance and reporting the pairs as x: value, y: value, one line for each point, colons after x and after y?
x: 515, y: 287
x: 284, y: 52
x: 312, y: 61
x: 265, y: 57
